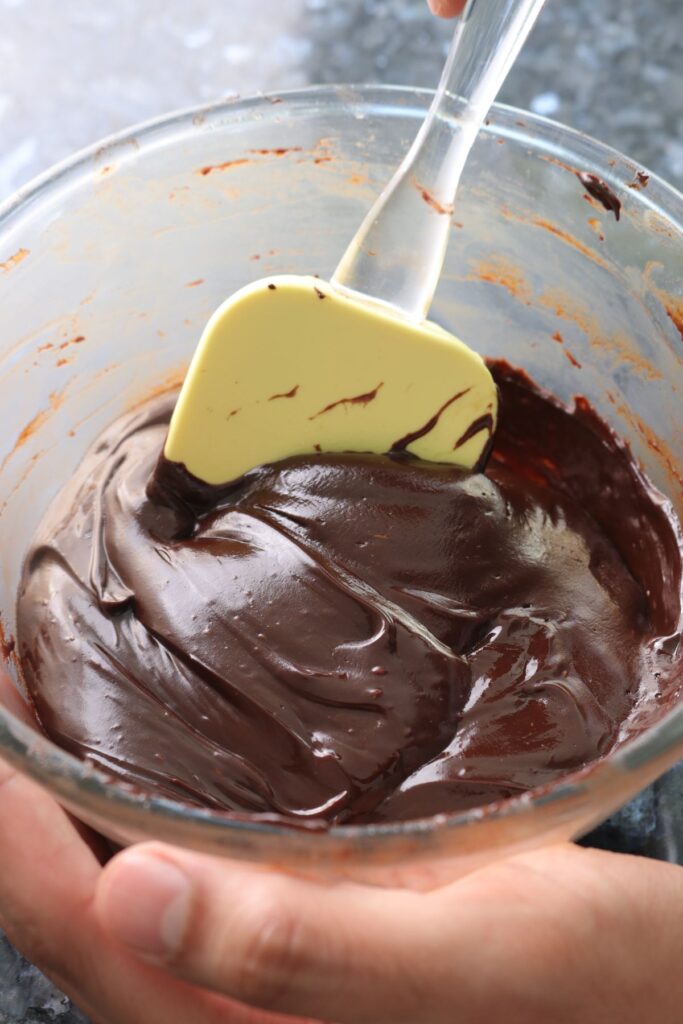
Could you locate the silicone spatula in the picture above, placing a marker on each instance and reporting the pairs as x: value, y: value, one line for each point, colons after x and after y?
x: 294, y: 365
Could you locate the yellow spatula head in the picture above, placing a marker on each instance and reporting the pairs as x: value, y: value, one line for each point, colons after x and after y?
x: 291, y: 366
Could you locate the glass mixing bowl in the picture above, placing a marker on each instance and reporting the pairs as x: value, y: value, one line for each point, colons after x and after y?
x: 111, y: 264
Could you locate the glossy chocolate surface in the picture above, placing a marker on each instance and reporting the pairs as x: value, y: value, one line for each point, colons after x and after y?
x: 351, y: 638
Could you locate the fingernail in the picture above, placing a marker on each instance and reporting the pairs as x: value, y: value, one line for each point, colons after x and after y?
x: 144, y: 902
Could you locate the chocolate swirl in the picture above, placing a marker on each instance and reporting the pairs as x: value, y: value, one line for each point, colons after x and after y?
x: 350, y: 638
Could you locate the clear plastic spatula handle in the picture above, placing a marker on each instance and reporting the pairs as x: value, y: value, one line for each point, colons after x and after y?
x: 398, y: 254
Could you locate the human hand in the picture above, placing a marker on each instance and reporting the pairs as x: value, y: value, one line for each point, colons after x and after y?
x: 562, y: 935
x: 447, y: 8
x: 160, y: 934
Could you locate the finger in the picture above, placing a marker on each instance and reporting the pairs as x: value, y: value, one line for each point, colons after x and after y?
x: 48, y: 878
x: 11, y: 698
x: 47, y: 873
x: 360, y: 955
x: 345, y: 952
x: 447, y: 8
x: 14, y: 702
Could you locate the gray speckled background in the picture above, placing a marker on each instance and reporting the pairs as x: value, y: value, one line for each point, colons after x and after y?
x: 75, y: 70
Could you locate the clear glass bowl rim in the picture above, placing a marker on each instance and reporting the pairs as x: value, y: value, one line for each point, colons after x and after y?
x: 65, y: 775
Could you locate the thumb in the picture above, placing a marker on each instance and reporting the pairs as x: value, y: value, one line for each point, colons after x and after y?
x: 342, y: 952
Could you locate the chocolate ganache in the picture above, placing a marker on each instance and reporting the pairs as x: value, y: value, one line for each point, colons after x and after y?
x: 351, y: 638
